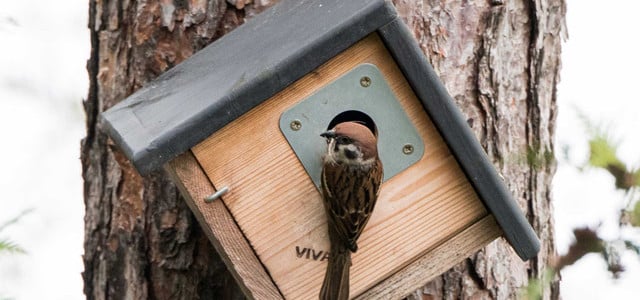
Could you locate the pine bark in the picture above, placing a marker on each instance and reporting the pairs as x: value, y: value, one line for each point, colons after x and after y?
x: 499, y: 60
x: 141, y: 240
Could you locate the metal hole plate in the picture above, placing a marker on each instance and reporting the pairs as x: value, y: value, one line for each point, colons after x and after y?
x: 363, y: 89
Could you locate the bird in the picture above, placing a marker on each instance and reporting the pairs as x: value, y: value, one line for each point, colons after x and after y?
x: 352, y: 173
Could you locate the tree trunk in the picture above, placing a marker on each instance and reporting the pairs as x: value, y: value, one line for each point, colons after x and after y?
x: 499, y: 60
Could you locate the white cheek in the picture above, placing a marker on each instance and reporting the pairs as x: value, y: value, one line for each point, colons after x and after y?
x: 330, y: 155
x: 330, y: 145
x: 350, y: 147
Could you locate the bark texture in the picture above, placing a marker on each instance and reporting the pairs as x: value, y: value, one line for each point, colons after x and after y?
x: 499, y: 60
x: 141, y: 240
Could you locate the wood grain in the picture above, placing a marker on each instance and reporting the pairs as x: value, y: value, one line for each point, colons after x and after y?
x: 436, y: 261
x: 277, y: 207
x: 221, y: 229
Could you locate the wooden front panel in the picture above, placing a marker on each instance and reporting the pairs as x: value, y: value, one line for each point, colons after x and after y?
x: 221, y: 229
x: 280, y: 212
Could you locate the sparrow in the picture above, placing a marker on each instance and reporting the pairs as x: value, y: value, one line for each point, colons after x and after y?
x: 351, y: 178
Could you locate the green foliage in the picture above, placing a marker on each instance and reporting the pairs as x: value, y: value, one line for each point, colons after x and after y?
x: 7, y: 245
x: 533, y: 291
x: 15, y: 219
x: 540, y: 158
x: 536, y: 157
x: 633, y: 247
x: 602, y: 152
x: 635, y: 215
x: 603, y: 155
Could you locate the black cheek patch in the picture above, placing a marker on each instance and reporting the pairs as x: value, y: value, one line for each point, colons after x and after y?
x: 350, y: 154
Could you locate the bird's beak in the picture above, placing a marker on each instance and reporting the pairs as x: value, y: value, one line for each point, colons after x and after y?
x: 328, y: 134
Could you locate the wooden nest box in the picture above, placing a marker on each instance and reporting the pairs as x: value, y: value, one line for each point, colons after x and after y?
x: 244, y: 115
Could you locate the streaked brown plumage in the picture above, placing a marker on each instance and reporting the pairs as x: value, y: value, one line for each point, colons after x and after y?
x: 351, y: 178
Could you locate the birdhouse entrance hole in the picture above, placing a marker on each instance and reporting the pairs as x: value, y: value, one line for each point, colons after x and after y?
x: 354, y: 116
x: 362, y: 94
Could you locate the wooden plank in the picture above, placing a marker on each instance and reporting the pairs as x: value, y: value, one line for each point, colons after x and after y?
x: 221, y: 229
x: 436, y: 261
x: 279, y: 209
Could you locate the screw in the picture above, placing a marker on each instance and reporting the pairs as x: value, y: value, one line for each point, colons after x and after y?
x: 216, y: 195
x: 365, y: 81
x: 295, y: 125
x: 407, y: 149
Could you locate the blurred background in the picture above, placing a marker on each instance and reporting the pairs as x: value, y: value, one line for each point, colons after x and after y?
x: 44, y: 48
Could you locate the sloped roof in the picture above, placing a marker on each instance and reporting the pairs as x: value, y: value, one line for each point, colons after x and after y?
x: 234, y: 74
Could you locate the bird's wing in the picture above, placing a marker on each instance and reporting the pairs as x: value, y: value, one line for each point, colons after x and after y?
x: 365, y: 202
x: 349, y: 198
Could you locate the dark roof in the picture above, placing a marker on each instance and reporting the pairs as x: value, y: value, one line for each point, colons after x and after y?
x: 249, y: 65
x: 239, y: 71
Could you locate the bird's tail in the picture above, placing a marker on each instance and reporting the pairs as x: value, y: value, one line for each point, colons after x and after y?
x: 336, y: 279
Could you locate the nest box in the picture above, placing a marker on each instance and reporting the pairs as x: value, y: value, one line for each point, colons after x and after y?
x: 237, y: 126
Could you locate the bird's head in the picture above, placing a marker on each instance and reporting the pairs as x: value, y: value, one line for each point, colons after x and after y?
x: 351, y: 143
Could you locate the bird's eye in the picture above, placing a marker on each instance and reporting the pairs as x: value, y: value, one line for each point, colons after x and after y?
x: 343, y: 140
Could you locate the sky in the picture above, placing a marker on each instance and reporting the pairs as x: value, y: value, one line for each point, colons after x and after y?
x: 45, y: 45
x: 600, y: 63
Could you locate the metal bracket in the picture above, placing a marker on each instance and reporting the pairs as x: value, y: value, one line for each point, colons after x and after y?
x: 362, y: 89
